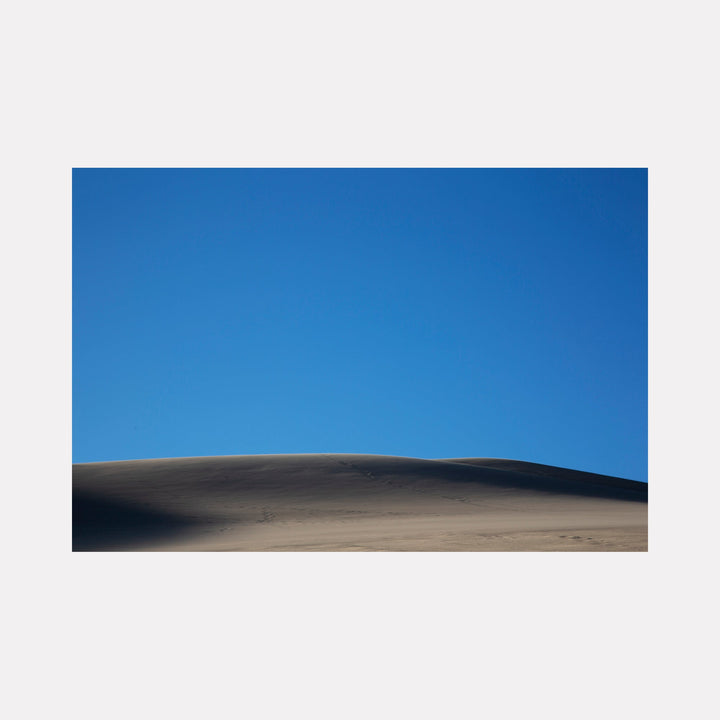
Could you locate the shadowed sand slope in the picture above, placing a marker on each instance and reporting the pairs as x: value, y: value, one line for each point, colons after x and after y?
x: 352, y: 503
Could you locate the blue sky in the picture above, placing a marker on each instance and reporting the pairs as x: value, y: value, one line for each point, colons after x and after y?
x: 429, y: 313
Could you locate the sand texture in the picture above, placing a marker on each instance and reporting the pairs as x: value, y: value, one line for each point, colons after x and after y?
x: 339, y: 502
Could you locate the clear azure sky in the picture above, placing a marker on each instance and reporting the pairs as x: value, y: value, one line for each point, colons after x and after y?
x: 429, y: 313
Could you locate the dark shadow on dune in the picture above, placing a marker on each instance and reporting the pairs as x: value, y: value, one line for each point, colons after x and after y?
x: 518, y: 475
x: 103, y: 524
x: 552, y: 471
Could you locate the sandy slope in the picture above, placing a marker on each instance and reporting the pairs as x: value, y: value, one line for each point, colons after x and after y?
x: 352, y: 503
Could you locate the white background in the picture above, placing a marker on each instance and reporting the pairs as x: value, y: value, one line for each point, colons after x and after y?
x: 336, y: 635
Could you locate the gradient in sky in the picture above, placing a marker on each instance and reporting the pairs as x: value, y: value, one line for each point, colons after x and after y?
x: 421, y: 312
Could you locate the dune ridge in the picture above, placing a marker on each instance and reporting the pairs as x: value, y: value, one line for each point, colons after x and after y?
x: 352, y: 502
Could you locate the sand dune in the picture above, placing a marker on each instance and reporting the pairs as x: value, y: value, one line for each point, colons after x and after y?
x: 339, y: 502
